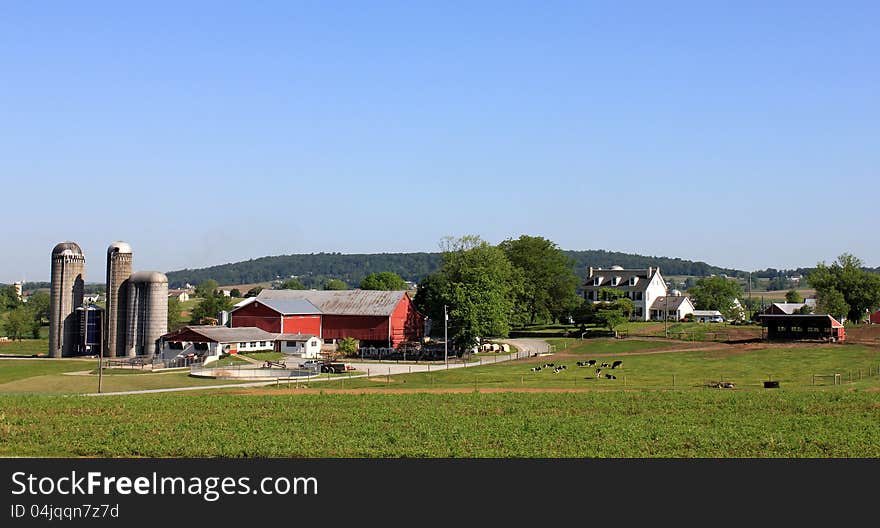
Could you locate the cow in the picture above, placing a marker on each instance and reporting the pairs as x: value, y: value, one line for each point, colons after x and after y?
x: 557, y: 370
x: 535, y: 369
x: 603, y: 365
x: 616, y: 364
x: 610, y: 376
x: 591, y: 363
x: 598, y: 373
x: 582, y: 363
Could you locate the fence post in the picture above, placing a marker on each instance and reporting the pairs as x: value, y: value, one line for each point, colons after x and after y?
x: 673, y: 380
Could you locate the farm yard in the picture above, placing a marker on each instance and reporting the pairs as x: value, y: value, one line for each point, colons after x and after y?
x: 663, y: 402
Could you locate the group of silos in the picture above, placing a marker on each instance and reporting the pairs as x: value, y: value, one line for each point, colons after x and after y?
x: 136, y: 312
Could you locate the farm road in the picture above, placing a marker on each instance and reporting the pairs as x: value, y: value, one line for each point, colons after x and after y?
x: 527, y: 347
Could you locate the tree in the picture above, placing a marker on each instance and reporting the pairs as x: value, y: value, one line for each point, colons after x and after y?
x: 792, y: 296
x: 715, y: 293
x: 347, y: 346
x: 548, y: 279
x: 293, y: 284
x: 860, y: 289
x: 211, y: 306
x: 19, y: 323
x: 253, y: 292
x: 626, y: 306
x: 235, y: 292
x: 611, y: 318
x: 479, y: 286
x: 384, y: 280
x: 609, y: 294
x: 335, y: 284
x: 206, y: 288
x: 38, y: 303
x: 175, y: 319
x: 833, y: 303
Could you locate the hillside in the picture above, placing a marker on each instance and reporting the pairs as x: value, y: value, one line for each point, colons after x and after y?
x: 314, y: 269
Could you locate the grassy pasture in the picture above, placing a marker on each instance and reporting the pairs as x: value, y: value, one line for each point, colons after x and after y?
x: 595, y: 424
x: 793, y: 367
x: 25, y: 347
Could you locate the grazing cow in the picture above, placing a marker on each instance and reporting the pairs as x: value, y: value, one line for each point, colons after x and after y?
x: 535, y: 369
x: 557, y: 370
x: 616, y: 364
x: 604, y: 365
x: 582, y: 363
x: 591, y: 363
x: 610, y: 376
x: 598, y: 373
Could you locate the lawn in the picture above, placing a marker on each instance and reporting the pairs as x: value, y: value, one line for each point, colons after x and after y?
x: 793, y: 368
x: 25, y: 347
x: 614, y: 424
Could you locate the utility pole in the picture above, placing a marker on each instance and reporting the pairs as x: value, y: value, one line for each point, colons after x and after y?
x: 666, y: 315
x: 445, y: 338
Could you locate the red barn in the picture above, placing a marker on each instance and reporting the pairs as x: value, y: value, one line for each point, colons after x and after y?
x: 382, y: 318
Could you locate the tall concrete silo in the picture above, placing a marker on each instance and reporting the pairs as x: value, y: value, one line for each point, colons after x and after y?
x: 66, y: 292
x: 147, y: 312
x: 118, y: 272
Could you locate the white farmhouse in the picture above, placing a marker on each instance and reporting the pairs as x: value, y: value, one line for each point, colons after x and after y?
x: 642, y: 286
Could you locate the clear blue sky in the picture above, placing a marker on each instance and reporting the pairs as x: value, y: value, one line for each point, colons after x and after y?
x: 746, y: 135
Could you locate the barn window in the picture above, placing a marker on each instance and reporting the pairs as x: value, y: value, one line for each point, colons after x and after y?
x: 291, y: 343
x: 780, y: 329
x: 813, y: 329
x: 796, y: 329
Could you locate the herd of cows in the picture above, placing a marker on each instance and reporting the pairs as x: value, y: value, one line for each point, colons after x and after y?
x: 590, y: 363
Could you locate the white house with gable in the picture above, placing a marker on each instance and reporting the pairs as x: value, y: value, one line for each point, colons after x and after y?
x: 641, y: 286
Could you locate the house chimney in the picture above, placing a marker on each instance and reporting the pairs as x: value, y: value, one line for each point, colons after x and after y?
x: 591, y: 272
x: 650, y: 271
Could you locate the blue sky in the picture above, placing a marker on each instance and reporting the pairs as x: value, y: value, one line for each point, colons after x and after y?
x: 742, y: 134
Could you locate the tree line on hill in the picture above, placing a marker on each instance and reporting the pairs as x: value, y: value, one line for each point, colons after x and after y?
x: 315, y: 269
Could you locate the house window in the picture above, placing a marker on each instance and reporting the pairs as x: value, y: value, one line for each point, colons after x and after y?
x: 615, y: 281
x: 633, y: 281
x: 291, y: 343
x: 253, y: 344
x: 638, y: 312
x: 597, y: 281
x: 638, y: 296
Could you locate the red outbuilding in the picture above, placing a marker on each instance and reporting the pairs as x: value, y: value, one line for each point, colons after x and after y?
x: 381, y: 318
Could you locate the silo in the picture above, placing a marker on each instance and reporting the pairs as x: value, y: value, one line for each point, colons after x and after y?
x: 91, y: 329
x: 147, y: 312
x: 118, y: 272
x: 66, y: 291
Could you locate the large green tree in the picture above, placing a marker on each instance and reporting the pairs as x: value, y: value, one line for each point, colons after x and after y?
x: 860, y: 288
x: 175, y: 319
x: 20, y: 322
x: 211, y: 306
x: 715, y: 293
x: 293, y: 284
x: 479, y: 286
x: 206, y: 288
x: 831, y: 302
x: 549, y: 283
x: 335, y: 284
x: 383, y: 280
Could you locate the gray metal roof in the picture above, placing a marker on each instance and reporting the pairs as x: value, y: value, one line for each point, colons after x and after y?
x: 675, y: 302
x: 291, y: 306
x: 223, y: 334
x: 606, y: 276
x: 294, y: 337
x: 789, y: 308
x: 341, y: 302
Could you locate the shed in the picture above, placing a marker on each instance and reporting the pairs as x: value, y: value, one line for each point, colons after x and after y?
x: 803, y: 327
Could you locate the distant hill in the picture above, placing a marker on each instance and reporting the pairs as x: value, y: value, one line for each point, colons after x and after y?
x: 316, y: 268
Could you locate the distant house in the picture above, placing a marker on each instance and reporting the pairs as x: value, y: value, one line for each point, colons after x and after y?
x: 708, y: 316
x: 180, y: 295
x: 675, y: 308
x: 91, y: 297
x: 641, y: 286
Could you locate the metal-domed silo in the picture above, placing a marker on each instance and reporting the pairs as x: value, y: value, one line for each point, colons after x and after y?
x: 66, y: 292
x: 147, y: 312
x: 118, y: 271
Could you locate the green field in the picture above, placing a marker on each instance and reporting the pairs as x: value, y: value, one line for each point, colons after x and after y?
x: 594, y: 424
x: 748, y: 369
x: 26, y: 347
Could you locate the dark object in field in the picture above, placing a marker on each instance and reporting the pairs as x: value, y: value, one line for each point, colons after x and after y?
x: 616, y: 364
x: 535, y: 369
x: 610, y: 376
x: 591, y: 362
x: 721, y: 385
x: 771, y: 384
